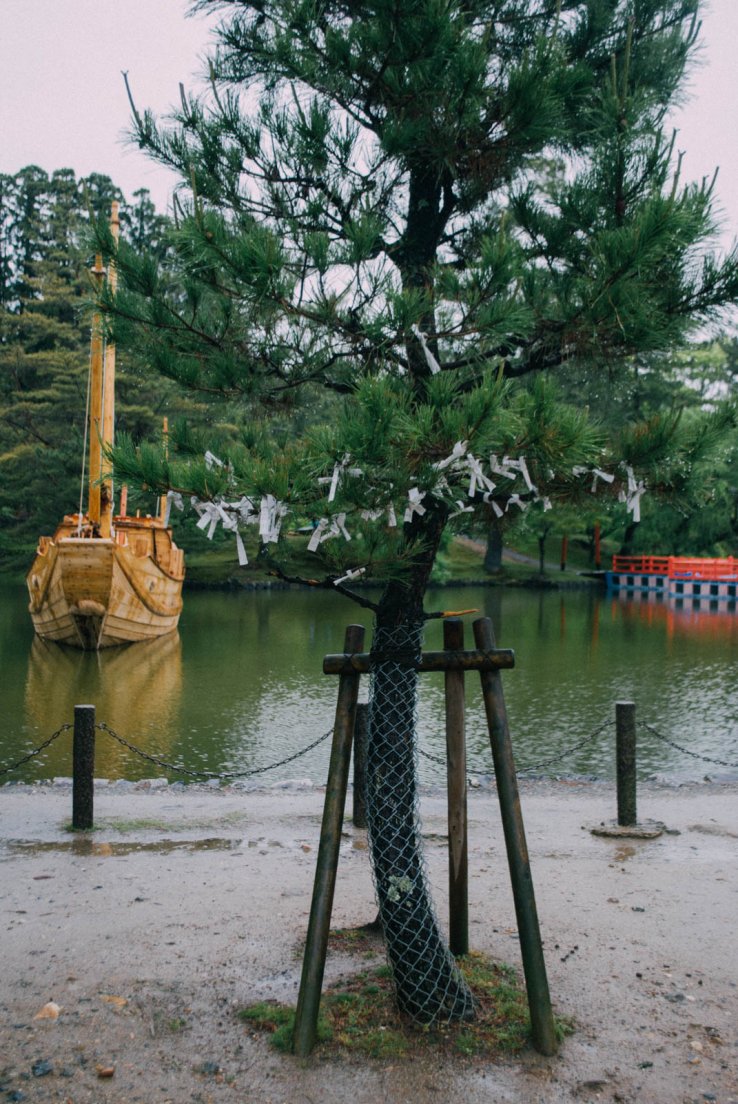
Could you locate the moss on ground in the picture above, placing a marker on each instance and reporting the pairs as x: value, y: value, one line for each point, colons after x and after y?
x: 358, y: 1016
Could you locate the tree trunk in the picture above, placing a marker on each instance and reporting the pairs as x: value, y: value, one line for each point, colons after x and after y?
x: 429, y: 986
x: 628, y: 538
x: 493, y: 555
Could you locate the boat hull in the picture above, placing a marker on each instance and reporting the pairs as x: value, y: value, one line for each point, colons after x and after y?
x: 95, y: 593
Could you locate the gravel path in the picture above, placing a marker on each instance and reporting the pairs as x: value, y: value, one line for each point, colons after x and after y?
x: 186, y: 904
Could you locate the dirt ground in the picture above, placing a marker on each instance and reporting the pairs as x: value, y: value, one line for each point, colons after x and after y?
x: 186, y: 904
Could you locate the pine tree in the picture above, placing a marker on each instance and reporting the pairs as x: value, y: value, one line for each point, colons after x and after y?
x: 372, y: 212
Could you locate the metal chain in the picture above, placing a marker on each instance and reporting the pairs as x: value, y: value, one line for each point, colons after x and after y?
x: 546, y: 762
x: 36, y: 751
x: 210, y: 774
x: 685, y: 751
x: 441, y: 760
x: 568, y: 751
x: 434, y: 758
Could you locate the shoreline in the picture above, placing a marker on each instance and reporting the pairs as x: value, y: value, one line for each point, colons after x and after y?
x: 187, y: 903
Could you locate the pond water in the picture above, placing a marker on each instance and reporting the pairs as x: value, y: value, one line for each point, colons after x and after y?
x: 241, y: 685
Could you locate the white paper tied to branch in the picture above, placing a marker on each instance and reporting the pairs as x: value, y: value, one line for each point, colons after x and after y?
x: 338, y: 471
x: 505, y: 467
x: 230, y: 524
x: 173, y: 498
x: 354, y: 573
x: 231, y: 515
x: 457, y: 453
x: 429, y: 358
x: 597, y: 474
x: 516, y: 500
x: 245, y: 510
x: 210, y: 515
x: 477, y: 478
x: 326, y: 529
x: 375, y: 515
x: 632, y: 497
x: 415, y: 498
x: 522, y: 467
x: 461, y: 508
x: 510, y: 468
x: 212, y: 461
x: 270, y: 518
x: 317, y: 534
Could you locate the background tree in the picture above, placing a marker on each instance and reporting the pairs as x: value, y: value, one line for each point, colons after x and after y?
x: 45, y: 295
x: 368, y: 214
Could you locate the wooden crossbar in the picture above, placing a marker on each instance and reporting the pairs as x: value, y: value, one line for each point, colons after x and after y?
x: 360, y: 663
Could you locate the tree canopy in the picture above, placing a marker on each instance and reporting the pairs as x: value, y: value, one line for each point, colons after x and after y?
x: 424, y: 210
x: 367, y: 209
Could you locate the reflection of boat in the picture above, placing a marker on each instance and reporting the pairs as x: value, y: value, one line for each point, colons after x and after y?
x: 103, y: 580
x: 122, y: 682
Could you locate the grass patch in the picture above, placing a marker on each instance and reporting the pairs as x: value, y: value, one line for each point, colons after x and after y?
x: 358, y: 1016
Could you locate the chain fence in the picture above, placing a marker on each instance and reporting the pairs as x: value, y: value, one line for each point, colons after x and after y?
x: 176, y: 769
x: 36, y: 751
x: 588, y: 739
x: 686, y: 751
x: 440, y: 760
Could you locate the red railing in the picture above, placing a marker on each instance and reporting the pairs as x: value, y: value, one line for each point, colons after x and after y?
x: 726, y: 570
x: 641, y: 565
x: 679, y: 567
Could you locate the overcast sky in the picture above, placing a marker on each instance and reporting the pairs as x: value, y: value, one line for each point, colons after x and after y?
x: 63, y: 103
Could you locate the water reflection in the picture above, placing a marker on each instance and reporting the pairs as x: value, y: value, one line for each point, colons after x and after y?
x: 695, y: 617
x: 241, y: 686
x: 137, y: 691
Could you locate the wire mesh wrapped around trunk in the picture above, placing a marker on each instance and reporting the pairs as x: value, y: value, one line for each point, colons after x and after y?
x: 429, y: 986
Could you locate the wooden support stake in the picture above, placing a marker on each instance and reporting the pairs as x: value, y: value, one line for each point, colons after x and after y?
x: 361, y: 733
x: 534, y: 966
x: 83, y: 766
x: 458, y: 872
x: 625, y: 762
x: 316, y: 944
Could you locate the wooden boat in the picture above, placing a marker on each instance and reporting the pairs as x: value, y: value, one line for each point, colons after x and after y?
x: 103, y: 579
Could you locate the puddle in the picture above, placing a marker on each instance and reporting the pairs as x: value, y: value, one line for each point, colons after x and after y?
x: 623, y: 852
x: 85, y: 846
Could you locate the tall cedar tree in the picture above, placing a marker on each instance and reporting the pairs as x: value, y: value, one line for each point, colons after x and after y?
x: 45, y: 298
x: 365, y: 209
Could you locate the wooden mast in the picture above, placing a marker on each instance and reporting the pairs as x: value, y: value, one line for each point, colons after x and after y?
x: 96, y: 414
x: 163, y: 498
x: 108, y: 395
